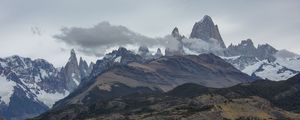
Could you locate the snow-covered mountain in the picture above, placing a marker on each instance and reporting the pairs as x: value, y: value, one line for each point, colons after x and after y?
x: 263, y: 61
x: 29, y: 87
x: 265, y: 69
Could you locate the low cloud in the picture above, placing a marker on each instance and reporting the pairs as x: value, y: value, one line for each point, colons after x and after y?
x: 97, y: 39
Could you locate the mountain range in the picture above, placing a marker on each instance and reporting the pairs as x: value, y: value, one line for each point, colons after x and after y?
x: 259, y: 100
x: 263, y: 61
x: 192, y: 80
x: 30, y: 87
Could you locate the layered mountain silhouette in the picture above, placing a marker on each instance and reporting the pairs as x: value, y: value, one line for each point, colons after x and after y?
x: 160, y: 74
x: 200, y: 79
x: 262, y: 61
x: 261, y: 99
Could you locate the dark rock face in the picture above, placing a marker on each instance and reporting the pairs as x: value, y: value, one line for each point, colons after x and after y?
x: 266, y: 51
x: 144, y: 52
x: 84, y: 68
x: 175, y: 33
x: 120, y: 56
x: 73, y: 72
x: 205, y: 30
x: 247, y: 48
x: 158, y: 53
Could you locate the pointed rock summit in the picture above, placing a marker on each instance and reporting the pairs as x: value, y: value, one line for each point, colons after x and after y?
x: 207, y: 31
x: 175, y: 33
x: 144, y: 52
x: 179, y: 51
x: 83, y: 67
x: 73, y: 72
x: 158, y: 53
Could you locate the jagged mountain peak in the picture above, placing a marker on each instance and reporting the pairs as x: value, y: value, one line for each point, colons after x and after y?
x: 158, y: 53
x: 82, y: 61
x: 122, y: 51
x: 266, y: 46
x: 206, y: 30
x: 73, y: 51
x: 247, y: 42
x: 207, y: 19
x: 175, y: 32
x: 143, y: 49
x: 266, y: 51
x: 144, y: 52
x: 73, y: 56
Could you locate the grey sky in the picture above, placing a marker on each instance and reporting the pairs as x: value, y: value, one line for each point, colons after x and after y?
x: 270, y: 21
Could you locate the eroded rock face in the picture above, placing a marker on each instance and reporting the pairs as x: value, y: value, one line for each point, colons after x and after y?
x: 207, y: 31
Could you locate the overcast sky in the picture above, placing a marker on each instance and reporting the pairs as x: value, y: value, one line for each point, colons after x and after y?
x: 28, y: 27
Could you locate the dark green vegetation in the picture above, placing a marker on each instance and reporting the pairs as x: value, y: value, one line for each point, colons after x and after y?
x: 284, y: 94
x: 252, y: 101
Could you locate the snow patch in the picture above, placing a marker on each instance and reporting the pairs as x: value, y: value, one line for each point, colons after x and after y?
x: 43, y: 74
x: 272, y: 72
x: 3, y: 64
x: 37, y: 79
x: 6, y: 89
x: 50, y: 98
x: 74, y: 79
x: 231, y: 57
x: 291, y: 63
x: 252, y: 68
x: 118, y: 59
x: 25, y: 65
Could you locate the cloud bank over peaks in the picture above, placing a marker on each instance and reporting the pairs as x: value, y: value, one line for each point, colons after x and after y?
x: 104, y: 36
